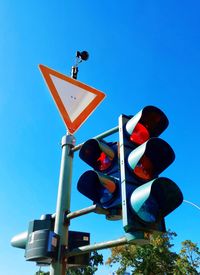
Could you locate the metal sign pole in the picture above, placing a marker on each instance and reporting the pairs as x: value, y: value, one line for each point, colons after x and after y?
x: 64, y: 189
x: 63, y: 204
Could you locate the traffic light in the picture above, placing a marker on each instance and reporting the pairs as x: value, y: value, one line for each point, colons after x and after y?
x: 41, y: 243
x: 146, y: 198
x: 102, y: 184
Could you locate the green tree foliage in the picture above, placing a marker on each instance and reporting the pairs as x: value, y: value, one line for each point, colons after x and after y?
x: 156, y: 258
x: 95, y: 260
x: 188, y: 260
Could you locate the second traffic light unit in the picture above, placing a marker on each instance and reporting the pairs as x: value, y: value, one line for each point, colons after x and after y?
x: 102, y: 184
x: 146, y: 198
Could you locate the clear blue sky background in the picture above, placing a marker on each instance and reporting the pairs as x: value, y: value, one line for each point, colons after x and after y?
x: 141, y: 53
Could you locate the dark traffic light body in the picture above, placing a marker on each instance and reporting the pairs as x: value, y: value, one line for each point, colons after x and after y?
x: 146, y: 199
x: 102, y: 185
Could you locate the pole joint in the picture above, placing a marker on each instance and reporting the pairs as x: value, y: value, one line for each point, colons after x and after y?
x: 68, y: 139
x: 66, y: 219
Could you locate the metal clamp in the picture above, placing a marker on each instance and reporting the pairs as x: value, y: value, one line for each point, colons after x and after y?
x: 68, y: 139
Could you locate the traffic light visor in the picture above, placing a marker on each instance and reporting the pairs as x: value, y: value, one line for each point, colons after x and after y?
x: 97, y: 154
x: 149, y: 122
x: 148, y: 160
x: 98, y: 187
x: 154, y: 200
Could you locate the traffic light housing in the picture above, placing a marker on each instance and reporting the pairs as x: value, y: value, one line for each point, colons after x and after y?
x: 125, y: 177
x: 146, y: 199
x: 102, y: 184
x: 41, y: 243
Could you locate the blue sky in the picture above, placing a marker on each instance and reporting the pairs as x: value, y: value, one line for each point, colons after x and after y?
x: 141, y: 53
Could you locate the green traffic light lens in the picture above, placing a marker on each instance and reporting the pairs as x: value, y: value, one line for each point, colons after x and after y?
x: 106, y: 196
x: 144, y: 204
x: 149, y: 211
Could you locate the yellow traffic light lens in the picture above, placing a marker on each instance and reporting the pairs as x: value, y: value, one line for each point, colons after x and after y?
x: 144, y: 169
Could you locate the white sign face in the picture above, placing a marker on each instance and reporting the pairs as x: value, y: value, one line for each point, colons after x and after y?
x: 74, y: 99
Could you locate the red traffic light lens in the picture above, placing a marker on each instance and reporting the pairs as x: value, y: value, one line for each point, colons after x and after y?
x: 98, y: 154
x: 144, y: 169
x: 140, y: 134
x: 103, y: 162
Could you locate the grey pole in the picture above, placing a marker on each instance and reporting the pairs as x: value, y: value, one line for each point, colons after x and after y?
x: 63, y: 204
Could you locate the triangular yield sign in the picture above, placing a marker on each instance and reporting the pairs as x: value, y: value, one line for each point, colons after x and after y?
x: 74, y: 99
